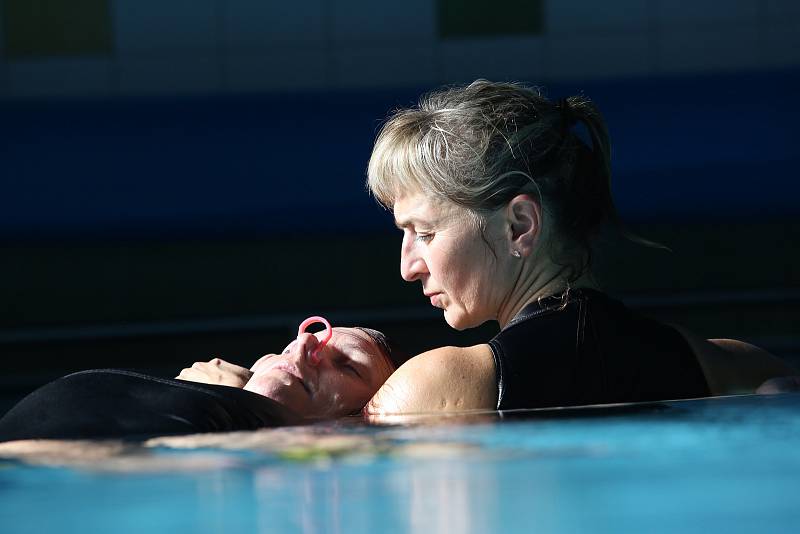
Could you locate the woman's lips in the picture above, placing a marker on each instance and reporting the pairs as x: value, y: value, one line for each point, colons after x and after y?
x: 436, y: 299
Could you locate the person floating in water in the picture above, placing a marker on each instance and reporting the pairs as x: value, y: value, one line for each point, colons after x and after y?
x: 498, y: 198
x: 318, y: 376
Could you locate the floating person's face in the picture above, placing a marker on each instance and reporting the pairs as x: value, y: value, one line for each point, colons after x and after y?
x: 351, y: 368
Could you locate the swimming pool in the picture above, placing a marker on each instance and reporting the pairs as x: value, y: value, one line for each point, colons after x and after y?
x: 719, y: 465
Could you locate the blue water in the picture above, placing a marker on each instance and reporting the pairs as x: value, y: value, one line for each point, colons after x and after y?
x: 719, y: 465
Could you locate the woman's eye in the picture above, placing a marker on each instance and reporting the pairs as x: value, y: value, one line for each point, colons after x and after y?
x: 352, y: 370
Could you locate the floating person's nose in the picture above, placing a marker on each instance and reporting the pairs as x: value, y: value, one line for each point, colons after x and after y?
x: 306, y: 348
x: 307, y: 344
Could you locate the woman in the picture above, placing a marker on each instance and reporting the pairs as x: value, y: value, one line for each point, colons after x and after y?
x: 281, y: 389
x: 498, y: 197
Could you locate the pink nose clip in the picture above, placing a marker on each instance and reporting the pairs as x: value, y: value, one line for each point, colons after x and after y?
x: 325, y: 338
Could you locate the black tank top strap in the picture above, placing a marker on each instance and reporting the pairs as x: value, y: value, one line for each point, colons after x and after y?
x: 587, y: 348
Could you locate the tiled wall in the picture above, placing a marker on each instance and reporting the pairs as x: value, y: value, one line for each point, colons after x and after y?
x: 221, y: 46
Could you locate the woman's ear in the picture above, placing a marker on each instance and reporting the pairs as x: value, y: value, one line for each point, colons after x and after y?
x: 525, y: 222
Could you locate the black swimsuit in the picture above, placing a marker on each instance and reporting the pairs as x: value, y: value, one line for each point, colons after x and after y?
x: 108, y: 403
x: 591, y: 349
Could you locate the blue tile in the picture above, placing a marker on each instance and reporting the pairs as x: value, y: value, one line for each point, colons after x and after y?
x: 571, y: 16
x: 293, y: 67
x: 2, y: 37
x: 782, y: 45
x: 59, y: 77
x: 169, y: 74
x: 255, y: 23
x: 715, y: 48
x: 3, y: 79
x: 498, y: 59
x: 671, y: 12
x: 597, y: 56
x: 155, y: 26
x: 366, y: 20
x: 785, y: 10
x: 386, y: 65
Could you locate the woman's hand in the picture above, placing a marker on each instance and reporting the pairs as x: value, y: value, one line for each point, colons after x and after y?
x: 217, y: 371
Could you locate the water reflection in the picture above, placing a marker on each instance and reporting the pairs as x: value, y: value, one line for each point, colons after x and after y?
x: 723, y: 462
x: 404, y: 493
x: 446, y: 497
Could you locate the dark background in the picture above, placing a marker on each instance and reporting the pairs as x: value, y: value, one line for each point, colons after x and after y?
x: 152, y: 227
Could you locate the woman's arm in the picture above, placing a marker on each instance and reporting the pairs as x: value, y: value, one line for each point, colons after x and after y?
x: 733, y: 367
x: 441, y: 380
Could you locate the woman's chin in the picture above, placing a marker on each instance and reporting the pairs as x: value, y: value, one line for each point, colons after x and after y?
x: 457, y: 321
x: 460, y: 320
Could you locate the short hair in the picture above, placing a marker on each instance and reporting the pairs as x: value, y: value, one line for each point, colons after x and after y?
x: 480, y: 145
x: 394, y: 355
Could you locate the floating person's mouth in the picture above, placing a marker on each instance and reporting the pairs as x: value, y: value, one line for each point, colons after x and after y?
x: 294, y: 372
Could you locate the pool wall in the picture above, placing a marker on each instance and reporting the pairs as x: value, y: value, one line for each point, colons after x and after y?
x: 152, y: 232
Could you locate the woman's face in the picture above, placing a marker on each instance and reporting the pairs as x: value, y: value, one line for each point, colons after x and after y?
x: 350, y: 370
x: 445, y: 251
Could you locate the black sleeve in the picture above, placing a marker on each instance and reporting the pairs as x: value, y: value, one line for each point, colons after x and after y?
x: 109, y: 403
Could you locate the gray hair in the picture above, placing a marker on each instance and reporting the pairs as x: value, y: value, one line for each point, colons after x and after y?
x: 480, y: 145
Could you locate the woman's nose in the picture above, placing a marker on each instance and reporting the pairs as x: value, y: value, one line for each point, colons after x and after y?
x: 306, y: 348
x: 411, y: 263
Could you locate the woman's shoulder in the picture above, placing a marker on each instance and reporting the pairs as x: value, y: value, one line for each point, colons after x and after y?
x: 443, y: 379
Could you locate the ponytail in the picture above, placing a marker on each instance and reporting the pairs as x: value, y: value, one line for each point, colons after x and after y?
x: 581, y: 110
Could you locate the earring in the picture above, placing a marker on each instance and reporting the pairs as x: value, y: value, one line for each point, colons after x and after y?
x: 516, y: 253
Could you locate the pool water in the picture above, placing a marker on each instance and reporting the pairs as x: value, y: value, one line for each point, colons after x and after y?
x: 717, y: 465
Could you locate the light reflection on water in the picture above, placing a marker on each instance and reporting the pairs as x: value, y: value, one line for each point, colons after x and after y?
x: 726, y: 465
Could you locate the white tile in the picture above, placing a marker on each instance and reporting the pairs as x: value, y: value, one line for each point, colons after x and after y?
x: 782, y: 45
x: 785, y: 10
x: 390, y: 66
x: 156, y: 26
x: 709, y: 49
x: 597, y: 56
x: 367, y: 20
x: 693, y: 12
x: 571, y: 16
x: 59, y: 77
x: 292, y: 67
x: 497, y: 59
x: 255, y: 23
x: 169, y: 74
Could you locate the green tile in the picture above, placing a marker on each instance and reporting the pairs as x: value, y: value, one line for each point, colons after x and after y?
x: 475, y: 18
x: 47, y: 28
